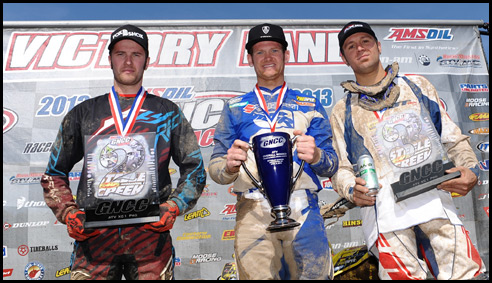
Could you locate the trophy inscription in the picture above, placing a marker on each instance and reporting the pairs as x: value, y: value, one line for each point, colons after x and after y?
x: 273, y: 154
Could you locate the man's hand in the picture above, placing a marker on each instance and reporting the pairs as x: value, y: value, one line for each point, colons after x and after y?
x: 236, y: 155
x: 462, y: 185
x: 169, y: 212
x: 75, y: 221
x: 306, y: 148
x: 360, y: 191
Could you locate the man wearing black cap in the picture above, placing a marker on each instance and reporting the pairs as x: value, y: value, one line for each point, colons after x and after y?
x: 386, y: 115
x: 125, y: 203
x: 301, y: 252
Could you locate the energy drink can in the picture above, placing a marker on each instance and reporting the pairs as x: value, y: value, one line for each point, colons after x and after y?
x: 367, y: 171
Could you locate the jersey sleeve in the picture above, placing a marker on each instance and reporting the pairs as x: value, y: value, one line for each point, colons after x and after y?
x: 67, y: 150
x: 224, y: 137
x: 344, y: 179
x: 320, y: 129
x: 187, y: 156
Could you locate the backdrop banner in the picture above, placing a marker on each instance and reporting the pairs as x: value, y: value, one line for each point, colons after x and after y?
x: 50, y: 68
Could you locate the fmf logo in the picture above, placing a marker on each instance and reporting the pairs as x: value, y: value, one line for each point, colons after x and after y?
x: 419, y: 34
x: 478, y: 117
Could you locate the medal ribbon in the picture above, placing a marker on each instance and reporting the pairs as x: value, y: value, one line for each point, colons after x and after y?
x: 264, y: 106
x: 124, y: 126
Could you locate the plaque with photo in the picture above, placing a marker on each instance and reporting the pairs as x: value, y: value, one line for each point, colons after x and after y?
x: 411, y: 144
x: 121, y: 180
x: 419, y: 156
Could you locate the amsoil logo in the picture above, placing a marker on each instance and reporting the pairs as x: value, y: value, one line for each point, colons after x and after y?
x: 419, y: 34
x: 229, y: 209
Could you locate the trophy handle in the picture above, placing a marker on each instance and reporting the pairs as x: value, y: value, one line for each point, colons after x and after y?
x: 301, y: 169
x: 253, y: 179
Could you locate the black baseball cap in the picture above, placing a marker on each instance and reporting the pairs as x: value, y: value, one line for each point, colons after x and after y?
x: 130, y: 32
x: 265, y: 32
x: 354, y: 27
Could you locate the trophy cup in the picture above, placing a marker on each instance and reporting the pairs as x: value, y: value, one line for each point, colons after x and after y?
x: 273, y: 154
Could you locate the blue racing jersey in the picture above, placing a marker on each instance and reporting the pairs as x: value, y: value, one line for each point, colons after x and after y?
x: 243, y: 118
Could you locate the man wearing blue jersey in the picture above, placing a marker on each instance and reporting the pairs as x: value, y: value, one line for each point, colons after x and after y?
x: 302, y: 252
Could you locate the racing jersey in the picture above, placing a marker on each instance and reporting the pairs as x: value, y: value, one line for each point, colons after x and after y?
x: 173, y: 137
x: 398, y: 138
x: 243, y: 118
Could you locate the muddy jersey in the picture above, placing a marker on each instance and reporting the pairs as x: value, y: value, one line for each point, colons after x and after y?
x: 171, y: 136
x: 243, y: 118
x: 399, y: 139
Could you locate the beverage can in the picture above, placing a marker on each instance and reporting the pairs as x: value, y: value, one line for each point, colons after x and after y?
x: 367, y: 171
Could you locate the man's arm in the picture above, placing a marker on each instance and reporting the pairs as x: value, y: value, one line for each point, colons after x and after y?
x: 187, y: 156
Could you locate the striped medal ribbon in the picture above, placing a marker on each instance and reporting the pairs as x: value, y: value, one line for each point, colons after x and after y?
x: 124, y: 126
x: 264, y: 106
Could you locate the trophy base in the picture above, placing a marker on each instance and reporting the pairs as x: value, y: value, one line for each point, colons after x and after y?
x: 282, y: 224
x: 282, y: 220
x: 403, y: 193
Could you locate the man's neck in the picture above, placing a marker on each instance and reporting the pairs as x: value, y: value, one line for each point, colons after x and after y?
x: 124, y: 89
x: 270, y: 84
x: 371, y: 78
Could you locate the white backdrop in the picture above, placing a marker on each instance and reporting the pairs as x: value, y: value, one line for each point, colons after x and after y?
x: 50, y: 67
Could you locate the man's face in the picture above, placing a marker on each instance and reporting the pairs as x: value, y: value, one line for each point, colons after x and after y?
x: 361, y: 52
x: 269, y: 60
x: 128, y: 62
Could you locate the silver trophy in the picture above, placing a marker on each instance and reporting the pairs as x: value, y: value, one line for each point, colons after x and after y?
x: 273, y: 154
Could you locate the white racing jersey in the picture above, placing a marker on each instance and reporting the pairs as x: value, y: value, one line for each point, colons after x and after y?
x: 399, y: 139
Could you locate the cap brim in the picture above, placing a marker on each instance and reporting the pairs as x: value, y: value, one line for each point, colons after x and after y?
x: 356, y: 30
x: 113, y: 43
x: 250, y: 44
